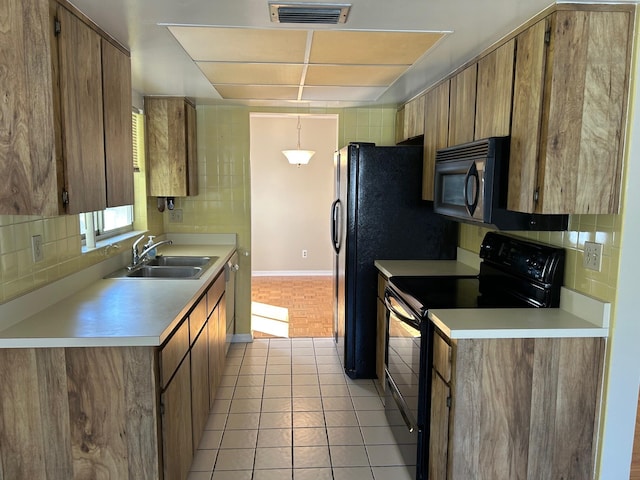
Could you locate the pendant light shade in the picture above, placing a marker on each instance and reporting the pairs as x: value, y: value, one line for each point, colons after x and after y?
x: 298, y: 156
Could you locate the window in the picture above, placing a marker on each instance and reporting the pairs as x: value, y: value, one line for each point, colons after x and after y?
x: 109, y: 222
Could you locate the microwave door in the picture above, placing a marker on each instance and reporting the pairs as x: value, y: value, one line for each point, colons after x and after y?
x: 459, y: 187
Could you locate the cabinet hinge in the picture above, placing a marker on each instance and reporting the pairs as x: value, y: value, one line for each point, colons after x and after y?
x: 547, y: 36
x: 448, y: 402
x: 57, y: 27
x: 536, y: 195
x: 65, y: 197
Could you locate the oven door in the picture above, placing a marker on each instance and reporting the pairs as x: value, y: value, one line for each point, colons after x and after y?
x: 459, y: 189
x: 402, y: 375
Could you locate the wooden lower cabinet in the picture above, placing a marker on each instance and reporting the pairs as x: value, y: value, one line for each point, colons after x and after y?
x: 126, y: 413
x: 381, y: 337
x: 517, y: 409
x: 177, y: 433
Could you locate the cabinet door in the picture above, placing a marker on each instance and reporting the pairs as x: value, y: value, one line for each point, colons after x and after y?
x: 215, y: 370
x: 200, y: 384
x: 177, y: 436
x: 192, y: 153
x: 436, y: 130
x: 585, y: 111
x: 116, y: 82
x: 80, y: 69
x: 27, y: 151
x: 171, y: 147
x: 381, y: 342
x: 439, y: 429
x: 222, y: 333
x: 400, y: 125
x: 527, y: 114
x: 462, y: 106
x: 414, y: 118
x: 495, y: 92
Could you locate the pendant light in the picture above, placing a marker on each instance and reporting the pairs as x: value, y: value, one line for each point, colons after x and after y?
x: 298, y: 156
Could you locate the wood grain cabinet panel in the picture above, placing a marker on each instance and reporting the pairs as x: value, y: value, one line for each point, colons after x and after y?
x: 579, y: 70
x: 200, y: 403
x: 495, y: 92
x: 54, y: 112
x: 513, y: 405
x: 436, y: 131
x: 177, y: 431
x: 462, y: 107
x: 118, y: 144
x: 410, y: 120
x: 171, y: 146
x: 31, y: 175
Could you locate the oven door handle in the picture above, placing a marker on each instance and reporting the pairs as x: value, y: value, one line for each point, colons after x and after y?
x: 405, y: 315
x: 402, y: 405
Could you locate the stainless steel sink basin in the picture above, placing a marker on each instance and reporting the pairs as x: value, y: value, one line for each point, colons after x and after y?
x: 181, y: 261
x: 170, y: 267
x: 151, y: 271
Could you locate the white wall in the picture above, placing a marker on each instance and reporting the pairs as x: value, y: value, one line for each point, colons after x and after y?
x: 290, y: 205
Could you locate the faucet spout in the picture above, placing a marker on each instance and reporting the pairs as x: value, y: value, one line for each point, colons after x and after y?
x: 146, y: 251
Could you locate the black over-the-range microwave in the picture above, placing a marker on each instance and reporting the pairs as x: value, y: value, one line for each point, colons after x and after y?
x: 471, y: 183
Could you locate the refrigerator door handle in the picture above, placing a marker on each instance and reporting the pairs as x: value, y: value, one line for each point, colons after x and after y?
x: 335, y: 225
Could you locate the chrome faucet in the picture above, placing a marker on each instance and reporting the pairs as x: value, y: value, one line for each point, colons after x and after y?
x: 138, y: 259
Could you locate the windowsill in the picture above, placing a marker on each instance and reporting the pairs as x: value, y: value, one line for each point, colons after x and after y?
x: 112, y: 241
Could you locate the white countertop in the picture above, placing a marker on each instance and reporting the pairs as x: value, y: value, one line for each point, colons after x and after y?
x: 118, y: 311
x: 578, y: 315
x: 424, y: 268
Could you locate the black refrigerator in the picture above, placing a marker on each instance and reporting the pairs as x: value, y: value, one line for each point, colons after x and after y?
x: 378, y: 214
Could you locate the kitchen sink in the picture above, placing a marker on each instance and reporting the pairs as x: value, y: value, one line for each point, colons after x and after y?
x: 181, y: 261
x: 151, y: 271
x: 169, y: 267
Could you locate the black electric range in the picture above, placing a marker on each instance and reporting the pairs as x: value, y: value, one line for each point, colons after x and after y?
x: 514, y: 273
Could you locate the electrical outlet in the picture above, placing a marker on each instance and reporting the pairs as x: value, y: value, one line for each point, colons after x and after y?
x: 36, y: 248
x: 592, y: 256
x: 175, y: 216
x: 304, y: 254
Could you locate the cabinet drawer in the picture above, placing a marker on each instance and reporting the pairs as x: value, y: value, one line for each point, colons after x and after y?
x: 442, y: 357
x: 215, y: 292
x: 173, y: 352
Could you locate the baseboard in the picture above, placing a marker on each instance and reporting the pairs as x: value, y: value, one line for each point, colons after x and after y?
x: 242, y: 338
x: 291, y: 273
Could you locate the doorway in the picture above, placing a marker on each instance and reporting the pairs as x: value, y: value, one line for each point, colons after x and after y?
x: 292, y: 259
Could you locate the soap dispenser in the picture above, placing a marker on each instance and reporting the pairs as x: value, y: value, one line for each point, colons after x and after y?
x: 152, y: 253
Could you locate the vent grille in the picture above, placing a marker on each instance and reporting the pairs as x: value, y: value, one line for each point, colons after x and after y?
x: 317, y: 13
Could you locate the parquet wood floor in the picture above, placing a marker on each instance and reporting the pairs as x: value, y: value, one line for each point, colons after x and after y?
x: 309, y: 301
x: 635, y: 459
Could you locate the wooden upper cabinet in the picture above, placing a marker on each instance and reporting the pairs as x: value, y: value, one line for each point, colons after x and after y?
x: 171, y: 146
x: 53, y: 160
x: 436, y: 131
x: 462, y: 109
x: 568, y: 137
x: 410, y: 120
x: 495, y: 92
x: 31, y: 177
x: 116, y: 82
x: 80, y: 70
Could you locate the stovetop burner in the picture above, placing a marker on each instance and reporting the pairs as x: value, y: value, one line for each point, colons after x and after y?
x: 514, y: 273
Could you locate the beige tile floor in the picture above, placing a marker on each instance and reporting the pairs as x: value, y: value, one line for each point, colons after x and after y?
x: 285, y: 410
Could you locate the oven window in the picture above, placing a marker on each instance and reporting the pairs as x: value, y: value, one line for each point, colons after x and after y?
x: 453, y: 189
x: 403, y: 360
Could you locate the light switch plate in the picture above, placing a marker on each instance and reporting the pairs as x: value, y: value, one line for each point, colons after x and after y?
x: 175, y: 216
x: 592, y: 256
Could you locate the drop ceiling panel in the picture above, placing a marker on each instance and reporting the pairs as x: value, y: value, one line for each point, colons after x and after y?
x: 357, y: 94
x: 258, y: 92
x: 252, y: 73
x: 241, y: 44
x: 370, y: 48
x: 353, y: 75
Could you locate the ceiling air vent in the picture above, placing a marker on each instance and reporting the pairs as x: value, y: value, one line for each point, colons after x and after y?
x: 319, y: 13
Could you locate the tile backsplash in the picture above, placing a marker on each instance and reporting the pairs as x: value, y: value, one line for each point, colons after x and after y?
x: 604, y: 229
